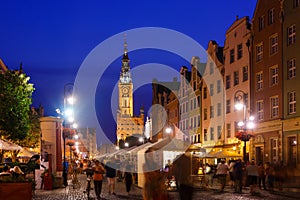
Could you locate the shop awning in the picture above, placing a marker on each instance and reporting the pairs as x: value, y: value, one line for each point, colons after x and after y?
x: 223, y: 154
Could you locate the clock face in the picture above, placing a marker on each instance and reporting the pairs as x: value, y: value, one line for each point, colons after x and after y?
x: 125, y: 90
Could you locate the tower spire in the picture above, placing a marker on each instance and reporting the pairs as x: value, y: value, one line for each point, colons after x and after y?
x: 125, y: 44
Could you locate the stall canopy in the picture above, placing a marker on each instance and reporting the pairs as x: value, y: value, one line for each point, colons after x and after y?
x: 26, y: 153
x: 6, y: 145
x: 223, y: 154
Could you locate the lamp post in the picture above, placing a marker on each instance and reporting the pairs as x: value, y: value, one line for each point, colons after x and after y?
x: 247, y: 124
x: 68, y: 112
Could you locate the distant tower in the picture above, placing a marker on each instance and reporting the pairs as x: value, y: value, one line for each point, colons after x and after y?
x: 127, y: 123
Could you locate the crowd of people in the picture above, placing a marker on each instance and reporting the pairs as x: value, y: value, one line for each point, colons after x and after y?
x: 98, y: 171
x: 256, y: 176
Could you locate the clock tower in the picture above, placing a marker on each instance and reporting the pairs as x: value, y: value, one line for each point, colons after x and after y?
x: 125, y: 86
x: 127, y: 123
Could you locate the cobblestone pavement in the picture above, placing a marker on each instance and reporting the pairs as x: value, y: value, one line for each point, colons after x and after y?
x: 69, y: 193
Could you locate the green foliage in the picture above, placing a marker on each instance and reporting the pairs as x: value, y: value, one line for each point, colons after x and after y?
x: 15, y: 101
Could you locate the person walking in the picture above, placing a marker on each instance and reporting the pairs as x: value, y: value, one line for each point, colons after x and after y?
x: 270, y: 176
x: 154, y: 185
x: 222, y: 170
x: 252, y: 174
x: 128, y: 178
x: 182, y: 171
x: 98, y: 177
x: 238, y: 176
x: 110, y: 175
x: 261, y: 176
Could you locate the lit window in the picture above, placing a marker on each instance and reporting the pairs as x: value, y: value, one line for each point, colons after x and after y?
x: 292, y: 102
x: 274, y: 107
x: 291, y: 68
x: 260, y: 109
x: 259, y: 81
x: 259, y: 52
x: 273, y: 44
x: 291, y: 35
x: 274, y: 75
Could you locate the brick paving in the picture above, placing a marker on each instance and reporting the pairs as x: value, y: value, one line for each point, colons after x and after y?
x: 69, y: 193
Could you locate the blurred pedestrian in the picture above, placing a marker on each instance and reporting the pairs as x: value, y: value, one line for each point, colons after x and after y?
x: 98, y: 178
x: 261, y: 176
x: 231, y: 164
x: 270, y: 176
x: 222, y: 170
x: 182, y: 171
x: 154, y: 186
x: 252, y: 174
x: 111, y: 173
x: 238, y: 174
x: 128, y: 178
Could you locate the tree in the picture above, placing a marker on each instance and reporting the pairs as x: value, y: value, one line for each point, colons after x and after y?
x: 15, y: 100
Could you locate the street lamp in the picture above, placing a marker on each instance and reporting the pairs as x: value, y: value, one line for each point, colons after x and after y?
x: 247, y: 124
x: 68, y: 115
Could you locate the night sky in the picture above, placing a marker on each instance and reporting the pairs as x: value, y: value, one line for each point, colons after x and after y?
x: 54, y: 39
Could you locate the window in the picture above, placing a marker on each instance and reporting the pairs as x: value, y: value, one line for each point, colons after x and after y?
x: 211, y: 89
x: 271, y: 16
x: 219, y: 132
x: 231, y: 55
x: 274, y: 107
x: 259, y: 52
x: 259, y: 81
x: 211, y: 68
x: 235, y: 78
x: 291, y: 68
x: 273, y: 44
x: 260, y: 110
x: 274, y: 150
x: 292, y: 102
x: 296, y: 3
x: 191, y: 122
x: 245, y: 73
x: 228, y: 130
x: 205, y: 92
x: 219, y: 109
x: 212, y: 134
x: 212, y: 112
x: 218, y: 86
x: 205, y: 113
x: 274, y: 75
x: 205, y: 134
x: 291, y: 35
x: 228, y: 106
x: 261, y: 23
x: 227, y: 81
x: 239, y: 51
